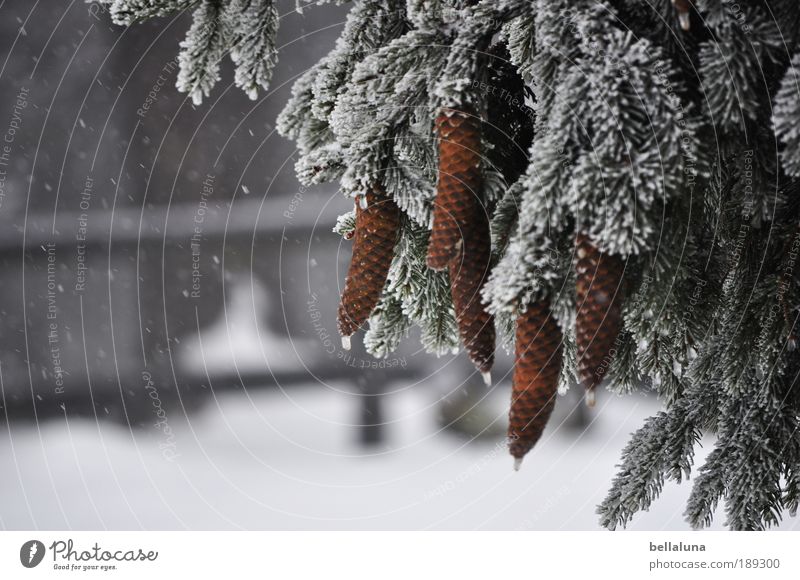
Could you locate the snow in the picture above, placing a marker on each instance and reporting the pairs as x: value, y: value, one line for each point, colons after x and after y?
x: 288, y: 459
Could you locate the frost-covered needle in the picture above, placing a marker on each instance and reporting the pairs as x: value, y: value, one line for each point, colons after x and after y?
x: 487, y: 378
x: 517, y: 463
x: 346, y: 342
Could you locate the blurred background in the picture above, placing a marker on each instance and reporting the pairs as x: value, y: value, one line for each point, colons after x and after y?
x: 168, y: 348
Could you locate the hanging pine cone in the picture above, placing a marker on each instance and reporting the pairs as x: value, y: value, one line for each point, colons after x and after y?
x: 377, y: 228
x: 537, y: 365
x: 599, y: 300
x: 468, y: 273
x: 458, y: 184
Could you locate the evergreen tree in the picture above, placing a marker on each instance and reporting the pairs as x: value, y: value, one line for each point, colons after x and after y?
x: 621, y: 176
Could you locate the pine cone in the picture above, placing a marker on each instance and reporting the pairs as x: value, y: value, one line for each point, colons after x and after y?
x: 377, y: 228
x: 537, y: 365
x: 459, y: 183
x: 599, y: 319
x: 468, y: 273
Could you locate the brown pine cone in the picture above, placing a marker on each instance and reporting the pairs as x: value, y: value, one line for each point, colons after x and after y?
x: 459, y: 183
x: 599, y: 289
x: 377, y: 228
x: 468, y: 272
x: 537, y: 365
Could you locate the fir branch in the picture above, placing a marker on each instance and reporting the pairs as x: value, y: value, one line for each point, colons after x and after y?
x: 205, y: 45
x: 254, y: 51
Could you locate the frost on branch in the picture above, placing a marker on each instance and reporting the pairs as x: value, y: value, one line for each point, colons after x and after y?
x: 244, y: 29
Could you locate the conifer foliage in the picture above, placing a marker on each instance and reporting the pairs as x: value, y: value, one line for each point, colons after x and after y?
x: 243, y: 29
x: 611, y: 184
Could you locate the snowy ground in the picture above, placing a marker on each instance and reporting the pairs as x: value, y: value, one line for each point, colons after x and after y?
x: 287, y: 460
